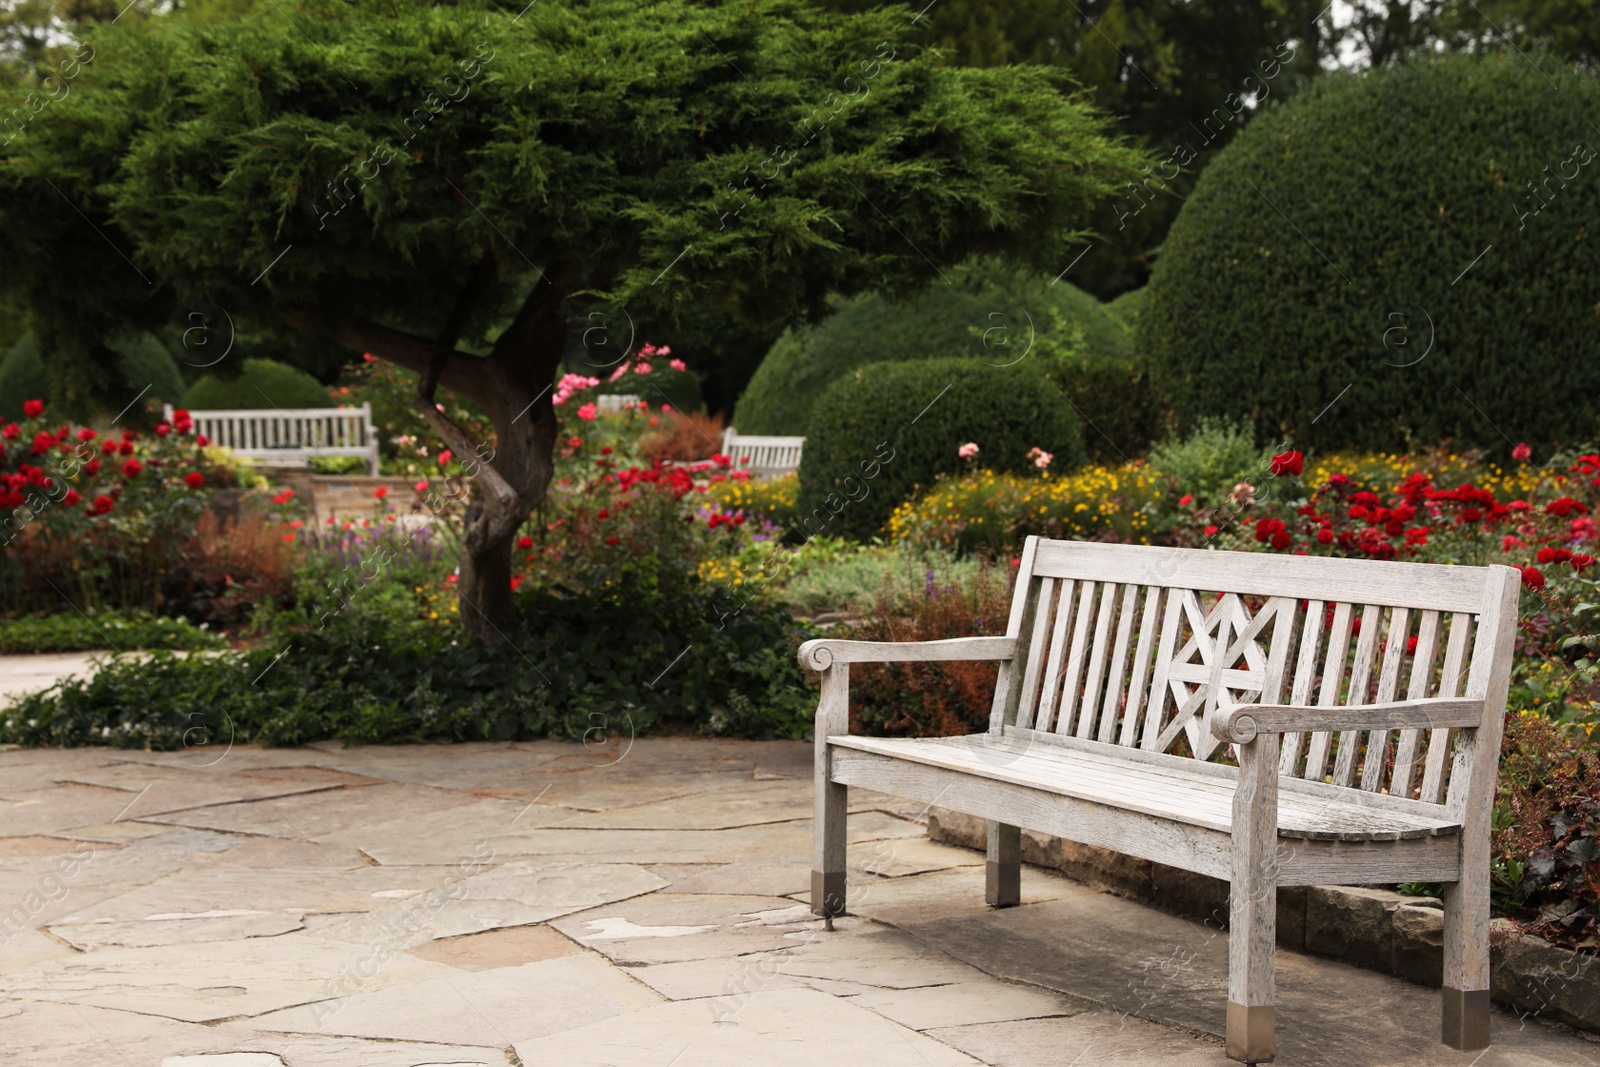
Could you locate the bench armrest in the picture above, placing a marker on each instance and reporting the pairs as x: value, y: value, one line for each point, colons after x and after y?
x: 822, y: 654
x: 1241, y: 723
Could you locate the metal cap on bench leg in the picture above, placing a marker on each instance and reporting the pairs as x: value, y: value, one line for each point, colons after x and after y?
x: 1466, y: 1018
x: 1250, y: 1032
x: 827, y: 893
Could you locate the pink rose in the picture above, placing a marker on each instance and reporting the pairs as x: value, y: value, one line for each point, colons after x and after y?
x: 588, y: 413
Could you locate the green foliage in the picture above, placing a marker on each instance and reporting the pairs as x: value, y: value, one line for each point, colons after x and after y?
x: 882, y: 431
x: 263, y: 383
x: 1411, y: 263
x: 140, y: 358
x: 392, y: 145
x: 148, y: 368
x: 1211, y: 460
x: 1128, y: 306
x: 73, y: 632
x: 895, y: 576
x: 22, y: 377
x: 573, y: 667
x: 988, y: 310
x: 1110, y: 391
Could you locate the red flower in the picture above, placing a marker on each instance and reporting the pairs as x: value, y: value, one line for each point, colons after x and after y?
x: 1185, y: 500
x: 1280, y: 540
x: 516, y: 580
x: 574, y: 442
x: 603, y: 513
x: 1287, y: 463
x: 1522, y: 453
x: 1532, y: 578
x: 202, y: 440
x: 71, y: 498
x: 92, y: 467
x: 444, y: 457
x: 1211, y: 531
x: 1566, y: 506
x: 42, y: 443
x: 283, y: 497
x: 101, y: 505
x: 606, y: 451
x: 132, y: 468
x: 611, y: 540
x: 194, y: 479
x: 86, y: 434
x: 10, y: 432
x: 33, y: 408
x: 162, y: 429
x: 126, y: 448
x: 524, y: 541
x: 381, y: 492
x: 1325, y: 536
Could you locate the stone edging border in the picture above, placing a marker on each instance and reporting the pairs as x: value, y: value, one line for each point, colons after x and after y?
x: 1373, y: 928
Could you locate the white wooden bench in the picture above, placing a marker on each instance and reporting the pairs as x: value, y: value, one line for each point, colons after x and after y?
x: 1364, y: 700
x: 291, y: 437
x: 762, y: 456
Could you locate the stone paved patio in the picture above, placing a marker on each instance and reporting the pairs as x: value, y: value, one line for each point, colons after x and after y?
x: 569, y: 905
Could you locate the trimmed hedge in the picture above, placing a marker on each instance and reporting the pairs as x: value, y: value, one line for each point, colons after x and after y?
x: 983, y: 312
x: 143, y: 361
x: 1370, y: 217
x: 882, y: 432
x: 263, y: 383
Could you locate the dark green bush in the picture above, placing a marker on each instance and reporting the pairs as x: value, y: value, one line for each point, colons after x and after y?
x: 263, y: 383
x: 22, y: 377
x: 883, y: 431
x: 985, y: 312
x: 575, y: 665
x: 74, y: 632
x: 1379, y: 233
x: 143, y: 361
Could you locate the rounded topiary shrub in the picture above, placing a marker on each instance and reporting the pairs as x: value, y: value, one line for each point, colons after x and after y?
x: 263, y: 383
x: 148, y: 368
x: 985, y: 312
x: 1410, y: 254
x: 22, y: 377
x: 882, y: 432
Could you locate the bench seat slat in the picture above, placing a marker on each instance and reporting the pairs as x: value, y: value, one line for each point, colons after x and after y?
x: 1176, y: 792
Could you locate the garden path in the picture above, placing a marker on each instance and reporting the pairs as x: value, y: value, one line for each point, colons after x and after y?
x: 625, y: 903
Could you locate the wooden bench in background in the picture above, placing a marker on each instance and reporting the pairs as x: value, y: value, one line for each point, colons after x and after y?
x: 762, y: 456
x: 291, y: 437
x: 1364, y: 701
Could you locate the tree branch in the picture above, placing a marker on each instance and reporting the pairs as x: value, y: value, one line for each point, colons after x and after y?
x: 472, y: 295
x: 461, y: 373
x: 459, y: 442
x: 542, y: 300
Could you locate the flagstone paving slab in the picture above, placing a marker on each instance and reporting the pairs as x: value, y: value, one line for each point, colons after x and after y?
x: 628, y: 902
x: 178, y: 929
x: 489, y: 1007
x: 317, y: 814
x: 516, y: 894
x: 207, y: 981
x: 59, y: 1035
x: 773, y: 1028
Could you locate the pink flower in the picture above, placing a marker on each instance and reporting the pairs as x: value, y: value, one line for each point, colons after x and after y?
x: 588, y: 412
x: 677, y: 364
x: 647, y: 351
x: 641, y: 368
x: 1522, y: 453
x: 422, y: 486
x: 619, y: 372
x: 368, y: 357
x: 1040, y: 457
x: 664, y: 350
x: 967, y: 451
x: 444, y: 457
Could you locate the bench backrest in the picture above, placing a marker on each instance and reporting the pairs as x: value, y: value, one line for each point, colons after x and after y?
x: 1139, y: 646
x: 765, y: 455
x: 312, y: 429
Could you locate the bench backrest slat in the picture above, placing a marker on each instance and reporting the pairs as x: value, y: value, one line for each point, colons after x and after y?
x: 1141, y: 647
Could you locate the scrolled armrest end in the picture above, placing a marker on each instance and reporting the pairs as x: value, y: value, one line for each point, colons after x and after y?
x: 1237, y: 725
x: 816, y: 654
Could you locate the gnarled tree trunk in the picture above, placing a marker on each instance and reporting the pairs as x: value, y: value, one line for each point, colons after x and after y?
x: 510, y: 475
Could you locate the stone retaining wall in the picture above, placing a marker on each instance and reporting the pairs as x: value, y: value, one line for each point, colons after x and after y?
x: 1368, y: 927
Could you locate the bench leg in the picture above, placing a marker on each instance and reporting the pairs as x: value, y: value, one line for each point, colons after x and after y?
x: 1253, y: 904
x: 1003, y: 872
x: 1465, y: 994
